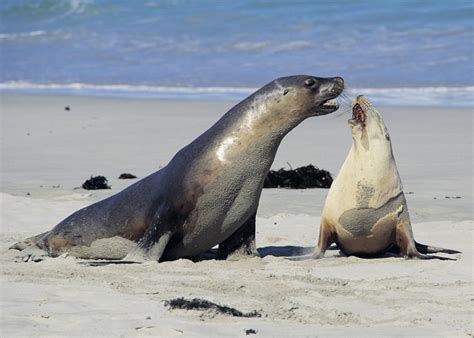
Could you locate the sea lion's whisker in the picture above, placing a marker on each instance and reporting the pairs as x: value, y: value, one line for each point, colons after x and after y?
x: 347, y: 94
x: 344, y: 109
x: 343, y: 100
x: 344, y: 95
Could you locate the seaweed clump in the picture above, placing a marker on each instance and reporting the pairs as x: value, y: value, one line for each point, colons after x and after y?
x: 300, y: 178
x: 202, y: 304
x: 96, y: 183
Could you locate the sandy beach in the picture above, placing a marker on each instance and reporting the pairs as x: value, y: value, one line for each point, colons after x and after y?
x: 47, y: 152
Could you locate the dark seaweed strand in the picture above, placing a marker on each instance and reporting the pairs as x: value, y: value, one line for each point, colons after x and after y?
x: 202, y: 304
x: 300, y: 178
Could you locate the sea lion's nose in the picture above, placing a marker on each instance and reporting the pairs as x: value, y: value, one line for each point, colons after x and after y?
x: 339, y: 81
x: 337, y: 85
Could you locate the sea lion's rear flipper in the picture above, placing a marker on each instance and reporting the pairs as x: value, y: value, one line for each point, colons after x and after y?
x: 423, y: 248
x: 407, y: 245
x: 422, y: 256
x: 241, y: 243
x: 106, y: 262
x: 153, y: 243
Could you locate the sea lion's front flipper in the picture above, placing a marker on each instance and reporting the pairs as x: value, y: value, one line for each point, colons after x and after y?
x: 31, y: 253
x: 327, y: 236
x: 28, y: 242
x: 241, y: 243
x: 153, y: 243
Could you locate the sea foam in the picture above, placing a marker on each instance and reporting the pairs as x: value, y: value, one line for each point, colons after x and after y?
x: 417, y: 96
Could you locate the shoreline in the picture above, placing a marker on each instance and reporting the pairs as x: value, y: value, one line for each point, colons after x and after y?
x: 425, y: 96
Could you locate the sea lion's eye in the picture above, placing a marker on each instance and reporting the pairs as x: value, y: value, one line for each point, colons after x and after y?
x: 286, y: 91
x: 309, y: 82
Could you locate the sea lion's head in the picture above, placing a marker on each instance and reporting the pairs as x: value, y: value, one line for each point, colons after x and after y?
x: 282, y: 104
x: 366, y: 123
x: 307, y: 95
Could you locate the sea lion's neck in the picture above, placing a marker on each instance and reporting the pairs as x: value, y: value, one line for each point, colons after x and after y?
x: 374, y: 166
x: 372, y: 143
x: 264, y: 115
x: 253, y: 130
x: 258, y: 123
x: 369, y: 152
x: 373, y: 170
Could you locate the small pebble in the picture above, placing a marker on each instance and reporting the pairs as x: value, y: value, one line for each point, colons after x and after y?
x: 126, y: 176
x: 250, y: 331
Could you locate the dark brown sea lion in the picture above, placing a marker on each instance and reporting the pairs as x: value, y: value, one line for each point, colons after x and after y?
x: 209, y: 192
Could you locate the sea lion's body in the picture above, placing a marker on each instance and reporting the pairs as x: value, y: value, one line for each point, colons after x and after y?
x: 366, y: 211
x: 208, y: 194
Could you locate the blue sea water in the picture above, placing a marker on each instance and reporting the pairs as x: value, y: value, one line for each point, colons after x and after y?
x: 414, y: 52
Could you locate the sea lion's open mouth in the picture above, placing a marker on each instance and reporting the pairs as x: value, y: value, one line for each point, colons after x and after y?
x: 358, y: 115
x: 330, y: 104
x: 329, y: 90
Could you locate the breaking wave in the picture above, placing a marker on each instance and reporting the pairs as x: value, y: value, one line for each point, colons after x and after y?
x: 418, y: 96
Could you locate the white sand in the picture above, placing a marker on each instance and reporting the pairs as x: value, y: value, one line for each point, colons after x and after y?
x: 46, y: 152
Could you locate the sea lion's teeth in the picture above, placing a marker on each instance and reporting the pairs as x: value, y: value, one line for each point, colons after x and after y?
x: 331, y: 102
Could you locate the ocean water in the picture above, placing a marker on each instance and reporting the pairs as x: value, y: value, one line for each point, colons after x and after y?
x: 395, y: 51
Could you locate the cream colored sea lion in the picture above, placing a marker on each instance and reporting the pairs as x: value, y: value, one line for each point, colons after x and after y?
x: 209, y: 192
x: 366, y: 211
